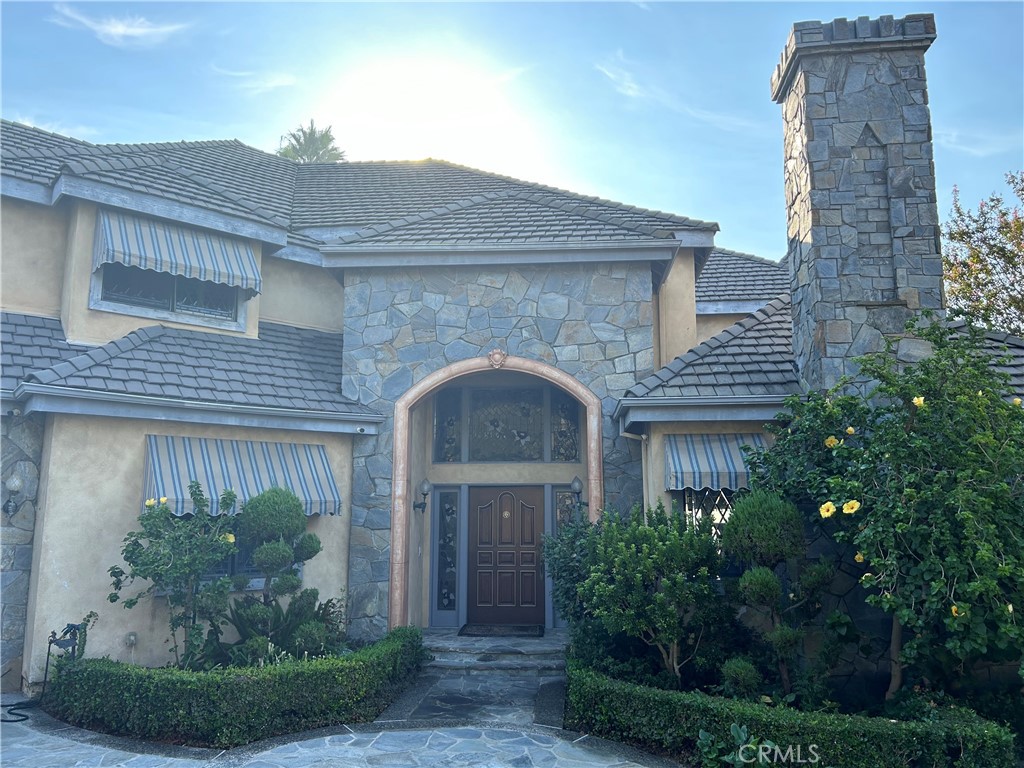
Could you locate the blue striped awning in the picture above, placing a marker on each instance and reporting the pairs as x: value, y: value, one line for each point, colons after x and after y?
x: 136, y: 241
x: 708, y: 461
x: 244, y: 466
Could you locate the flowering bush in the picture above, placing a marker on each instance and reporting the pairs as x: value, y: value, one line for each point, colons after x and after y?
x: 930, y: 483
x: 174, y: 554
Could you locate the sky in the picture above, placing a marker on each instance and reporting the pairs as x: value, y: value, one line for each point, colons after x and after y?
x: 663, y: 105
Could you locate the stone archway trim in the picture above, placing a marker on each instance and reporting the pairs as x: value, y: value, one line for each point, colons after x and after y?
x: 398, y: 590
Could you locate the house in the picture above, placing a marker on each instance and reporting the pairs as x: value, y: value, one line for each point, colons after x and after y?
x: 441, y: 362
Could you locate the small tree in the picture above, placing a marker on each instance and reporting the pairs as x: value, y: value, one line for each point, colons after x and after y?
x: 984, y: 260
x: 311, y: 145
x: 175, y: 555
x: 923, y: 477
x: 655, y: 580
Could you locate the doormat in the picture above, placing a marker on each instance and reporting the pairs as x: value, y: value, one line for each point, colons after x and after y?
x: 502, y: 630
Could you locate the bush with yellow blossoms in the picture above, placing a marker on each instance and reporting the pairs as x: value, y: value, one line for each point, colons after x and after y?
x: 926, y: 490
x: 174, y: 555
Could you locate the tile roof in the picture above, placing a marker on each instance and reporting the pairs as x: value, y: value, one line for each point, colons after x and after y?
x: 231, y: 178
x: 753, y: 357
x: 185, y: 365
x: 733, y: 276
x: 509, y: 217
x: 1008, y: 357
x: 29, y: 343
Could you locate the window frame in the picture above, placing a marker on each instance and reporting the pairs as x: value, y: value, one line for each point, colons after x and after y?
x: 97, y: 302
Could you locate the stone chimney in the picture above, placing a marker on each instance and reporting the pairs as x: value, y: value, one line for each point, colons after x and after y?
x: 860, y: 187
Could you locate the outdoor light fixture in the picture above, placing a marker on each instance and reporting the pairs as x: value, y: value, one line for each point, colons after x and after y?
x: 424, y: 490
x: 576, y: 486
x: 14, y: 486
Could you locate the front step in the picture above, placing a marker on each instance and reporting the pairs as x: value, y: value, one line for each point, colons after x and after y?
x: 526, y: 655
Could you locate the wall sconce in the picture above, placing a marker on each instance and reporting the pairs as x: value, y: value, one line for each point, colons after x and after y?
x: 14, y: 485
x: 576, y: 486
x: 424, y: 490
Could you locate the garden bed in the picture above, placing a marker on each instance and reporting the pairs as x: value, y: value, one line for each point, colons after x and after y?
x: 236, y: 705
x: 669, y: 722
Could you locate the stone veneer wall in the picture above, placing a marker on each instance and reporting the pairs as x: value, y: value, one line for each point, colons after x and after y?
x: 21, y: 443
x: 860, y: 187
x: 591, y: 321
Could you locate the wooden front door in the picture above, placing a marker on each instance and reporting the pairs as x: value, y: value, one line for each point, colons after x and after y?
x: 506, y: 578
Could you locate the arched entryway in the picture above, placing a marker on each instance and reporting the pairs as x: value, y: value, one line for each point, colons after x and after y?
x: 407, y: 531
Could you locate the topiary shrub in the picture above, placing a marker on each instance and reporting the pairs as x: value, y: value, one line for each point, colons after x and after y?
x: 763, y: 529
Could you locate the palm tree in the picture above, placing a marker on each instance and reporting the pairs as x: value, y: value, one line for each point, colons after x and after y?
x: 310, y: 145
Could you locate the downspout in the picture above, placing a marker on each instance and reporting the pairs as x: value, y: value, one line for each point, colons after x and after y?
x: 644, y: 461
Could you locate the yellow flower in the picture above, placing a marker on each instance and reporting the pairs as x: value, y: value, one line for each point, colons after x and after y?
x: 150, y: 502
x: 163, y: 499
x: 228, y: 537
x: 859, y: 557
x: 851, y: 506
x: 918, y: 401
x: 1009, y: 607
x: 850, y: 431
x: 980, y: 393
x: 1017, y: 401
x: 831, y: 442
x: 827, y: 509
x: 955, y: 611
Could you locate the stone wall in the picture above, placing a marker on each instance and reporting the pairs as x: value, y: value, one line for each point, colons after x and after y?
x: 591, y: 321
x: 860, y: 187
x: 21, y: 442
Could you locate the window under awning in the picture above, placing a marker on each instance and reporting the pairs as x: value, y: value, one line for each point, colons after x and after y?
x: 137, y: 241
x: 708, y: 461
x: 247, y: 467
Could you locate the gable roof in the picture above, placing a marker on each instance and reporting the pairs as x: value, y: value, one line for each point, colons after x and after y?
x: 752, y: 358
x: 230, y: 178
x: 733, y: 276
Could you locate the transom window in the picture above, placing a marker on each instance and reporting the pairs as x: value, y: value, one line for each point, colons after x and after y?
x: 146, y: 288
x: 510, y: 424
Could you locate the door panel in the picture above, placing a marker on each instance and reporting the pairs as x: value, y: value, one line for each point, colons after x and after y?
x: 506, y: 585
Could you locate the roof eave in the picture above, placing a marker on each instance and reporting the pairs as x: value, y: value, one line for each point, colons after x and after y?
x: 45, y: 398
x: 459, y: 255
x: 153, y: 205
x: 633, y: 413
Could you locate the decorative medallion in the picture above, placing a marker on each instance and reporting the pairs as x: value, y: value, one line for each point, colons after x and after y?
x: 497, y: 357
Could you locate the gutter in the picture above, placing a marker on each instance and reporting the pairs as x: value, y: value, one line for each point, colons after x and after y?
x: 45, y: 398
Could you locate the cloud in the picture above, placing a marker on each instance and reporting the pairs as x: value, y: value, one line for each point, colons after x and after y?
x: 619, y: 72
x: 124, y: 32
x: 978, y: 143
x: 256, y: 83
x: 63, y: 129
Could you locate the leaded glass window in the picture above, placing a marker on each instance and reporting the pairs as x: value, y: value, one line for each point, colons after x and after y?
x: 506, y: 425
x: 483, y: 424
x: 448, y: 426
x: 565, y: 427
x: 447, y: 550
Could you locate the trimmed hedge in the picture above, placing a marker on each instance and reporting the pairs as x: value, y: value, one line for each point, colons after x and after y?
x: 228, y: 707
x: 670, y: 721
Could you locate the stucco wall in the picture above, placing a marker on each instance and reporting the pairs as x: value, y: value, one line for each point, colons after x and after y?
x: 33, y: 246
x: 591, y: 321
x: 709, y: 325
x: 301, y: 295
x: 91, y: 326
x: 677, y: 309
x: 92, y: 476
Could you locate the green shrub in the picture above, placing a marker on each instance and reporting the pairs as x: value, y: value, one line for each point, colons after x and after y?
x: 228, y: 707
x: 740, y: 678
x: 670, y: 722
x: 763, y: 529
